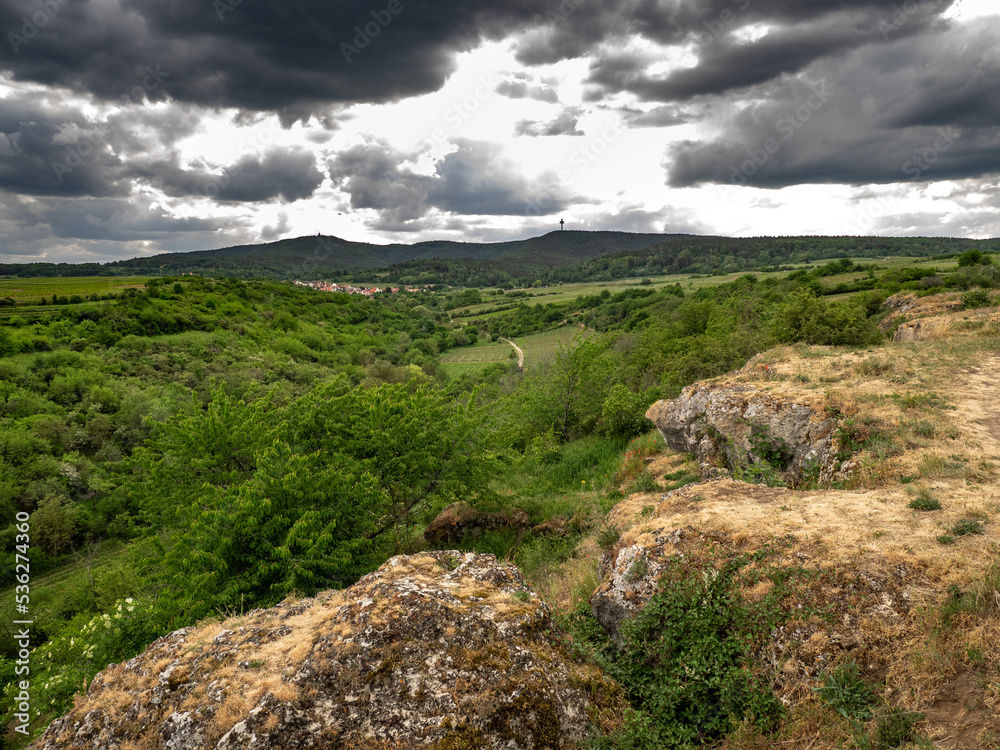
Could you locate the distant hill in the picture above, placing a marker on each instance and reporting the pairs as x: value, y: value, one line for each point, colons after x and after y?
x: 323, y: 255
x: 559, y: 256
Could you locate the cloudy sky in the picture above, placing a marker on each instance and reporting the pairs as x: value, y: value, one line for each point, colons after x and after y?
x: 131, y: 127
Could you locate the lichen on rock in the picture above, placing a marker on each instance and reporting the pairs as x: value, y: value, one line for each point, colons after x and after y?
x: 445, y: 650
x: 730, y: 425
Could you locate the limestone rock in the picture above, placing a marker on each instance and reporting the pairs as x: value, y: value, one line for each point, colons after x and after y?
x: 730, y: 425
x: 440, y: 650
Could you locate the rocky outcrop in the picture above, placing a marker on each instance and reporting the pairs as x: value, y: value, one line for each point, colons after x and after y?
x: 920, y: 330
x: 727, y: 426
x: 442, y: 650
x: 870, y: 588
x: 915, y: 318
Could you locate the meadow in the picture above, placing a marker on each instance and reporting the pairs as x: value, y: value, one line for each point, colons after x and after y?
x: 537, y: 347
x: 27, y: 291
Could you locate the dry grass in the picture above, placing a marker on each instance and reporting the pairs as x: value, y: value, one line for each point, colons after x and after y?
x: 574, y: 581
x: 937, y: 399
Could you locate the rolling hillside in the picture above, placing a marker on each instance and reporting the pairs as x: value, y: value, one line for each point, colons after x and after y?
x: 321, y: 254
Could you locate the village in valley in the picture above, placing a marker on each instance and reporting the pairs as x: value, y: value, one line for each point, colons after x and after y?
x: 329, y: 286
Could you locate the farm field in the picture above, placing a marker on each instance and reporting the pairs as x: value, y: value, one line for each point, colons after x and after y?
x: 538, y: 347
x: 27, y: 291
x: 690, y: 282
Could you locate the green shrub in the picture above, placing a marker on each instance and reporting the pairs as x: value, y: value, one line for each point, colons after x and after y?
x: 925, y: 500
x: 682, y: 659
x: 623, y: 413
x: 976, y: 298
x: 608, y: 537
x: 965, y: 526
x: 895, y: 727
x: 645, y: 482
x: 83, y: 647
x: 848, y: 693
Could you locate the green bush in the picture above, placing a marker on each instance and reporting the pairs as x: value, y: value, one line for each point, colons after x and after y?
x: 925, y: 500
x: 848, y: 693
x: 895, y: 727
x: 62, y: 665
x: 965, y: 526
x: 623, y: 413
x: 683, y: 655
x: 976, y: 298
x: 815, y: 320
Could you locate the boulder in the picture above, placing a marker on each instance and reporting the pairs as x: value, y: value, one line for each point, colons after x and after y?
x: 729, y: 426
x: 458, y: 519
x: 440, y: 650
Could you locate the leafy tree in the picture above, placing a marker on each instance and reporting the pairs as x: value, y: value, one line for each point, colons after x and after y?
x: 623, y: 413
x: 54, y: 524
x: 301, y: 523
x: 818, y: 321
x: 974, y: 257
x: 423, y: 448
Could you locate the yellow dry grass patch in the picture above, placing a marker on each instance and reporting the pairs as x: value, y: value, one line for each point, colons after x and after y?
x: 832, y: 526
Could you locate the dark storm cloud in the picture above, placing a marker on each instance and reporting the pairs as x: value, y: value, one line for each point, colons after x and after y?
x: 475, y: 179
x: 873, y: 117
x: 85, y: 229
x: 564, y: 124
x: 260, y: 55
x: 286, y: 173
x: 796, y: 38
x: 57, y: 150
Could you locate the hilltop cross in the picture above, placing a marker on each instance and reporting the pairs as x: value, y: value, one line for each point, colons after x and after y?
x: 561, y: 222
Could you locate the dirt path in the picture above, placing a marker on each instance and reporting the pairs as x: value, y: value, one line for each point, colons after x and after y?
x: 520, y: 352
x: 976, y: 399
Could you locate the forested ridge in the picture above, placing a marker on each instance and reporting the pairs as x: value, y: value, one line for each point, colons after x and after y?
x: 214, y: 445
x: 569, y: 256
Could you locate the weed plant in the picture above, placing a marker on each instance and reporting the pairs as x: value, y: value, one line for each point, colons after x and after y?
x: 848, y: 693
x: 966, y: 526
x: 925, y: 500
